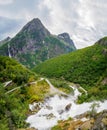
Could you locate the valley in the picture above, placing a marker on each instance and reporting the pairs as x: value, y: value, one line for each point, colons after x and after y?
x: 47, y: 84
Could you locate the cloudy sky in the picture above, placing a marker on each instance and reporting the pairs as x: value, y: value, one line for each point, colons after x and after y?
x: 84, y: 20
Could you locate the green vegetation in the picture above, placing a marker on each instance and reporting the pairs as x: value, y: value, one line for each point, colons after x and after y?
x: 63, y: 125
x: 12, y: 70
x: 45, y: 50
x: 64, y: 46
x: 93, y: 111
x: 14, y: 106
x: 56, y: 128
x: 87, y: 67
x: 62, y: 85
x: 37, y: 92
x: 13, y: 110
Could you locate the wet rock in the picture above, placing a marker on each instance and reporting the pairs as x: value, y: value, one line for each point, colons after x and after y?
x: 49, y: 107
x: 60, y: 112
x: 36, y: 107
x: 50, y: 116
x: 67, y: 108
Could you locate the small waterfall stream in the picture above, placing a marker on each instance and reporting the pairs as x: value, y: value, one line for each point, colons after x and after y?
x: 9, y: 54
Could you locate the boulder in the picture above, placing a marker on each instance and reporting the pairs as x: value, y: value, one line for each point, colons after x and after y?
x: 67, y: 108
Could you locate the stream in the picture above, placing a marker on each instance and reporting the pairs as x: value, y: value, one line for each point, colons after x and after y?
x: 59, y: 107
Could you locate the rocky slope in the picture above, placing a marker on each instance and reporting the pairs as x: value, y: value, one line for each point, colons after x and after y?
x: 99, y: 122
x: 35, y: 44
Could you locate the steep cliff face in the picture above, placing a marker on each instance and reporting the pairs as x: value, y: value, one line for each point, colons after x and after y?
x: 35, y: 44
x: 65, y: 36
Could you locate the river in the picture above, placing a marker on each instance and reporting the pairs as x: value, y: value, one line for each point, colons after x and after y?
x: 59, y: 107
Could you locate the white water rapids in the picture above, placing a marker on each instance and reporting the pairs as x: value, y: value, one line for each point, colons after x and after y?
x: 54, y: 109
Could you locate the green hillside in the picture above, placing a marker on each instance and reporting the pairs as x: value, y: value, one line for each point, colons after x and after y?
x: 87, y: 67
x: 13, y: 104
x: 11, y: 70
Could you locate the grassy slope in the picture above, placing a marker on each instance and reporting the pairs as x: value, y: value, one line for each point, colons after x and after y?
x: 87, y: 67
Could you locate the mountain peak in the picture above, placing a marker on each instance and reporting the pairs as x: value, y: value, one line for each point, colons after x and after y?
x: 35, y: 44
x: 35, y: 20
x: 66, y: 37
x: 34, y: 26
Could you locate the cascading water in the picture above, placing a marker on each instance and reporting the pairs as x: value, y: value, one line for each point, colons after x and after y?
x: 59, y: 107
x: 9, y: 54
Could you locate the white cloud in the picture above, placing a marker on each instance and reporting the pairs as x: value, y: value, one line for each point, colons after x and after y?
x: 4, y: 2
x: 9, y: 27
x: 84, y: 20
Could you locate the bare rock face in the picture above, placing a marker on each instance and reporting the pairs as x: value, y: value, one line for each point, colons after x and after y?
x: 36, y: 27
x: 66, y: 38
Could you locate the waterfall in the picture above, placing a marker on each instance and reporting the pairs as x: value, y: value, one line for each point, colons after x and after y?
x: 9, y: 54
